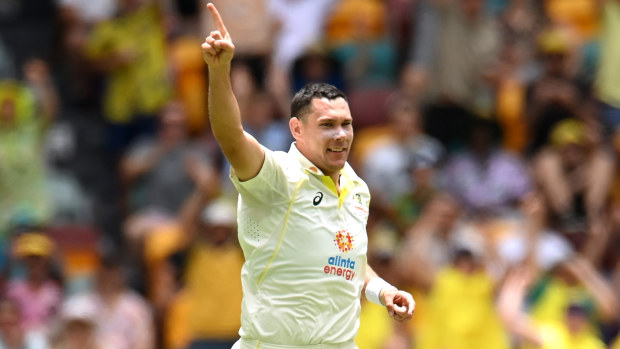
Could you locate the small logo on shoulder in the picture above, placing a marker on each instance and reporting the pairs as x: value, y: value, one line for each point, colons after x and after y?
x: 359, y: 198
x: 318, y: 198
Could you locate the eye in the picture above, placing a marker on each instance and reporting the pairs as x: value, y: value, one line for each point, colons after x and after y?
x: 347, y: 123
x: 326, y: 124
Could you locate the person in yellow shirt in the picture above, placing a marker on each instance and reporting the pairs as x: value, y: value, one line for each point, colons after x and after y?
x: 205, y: 309
x: 572, y: 332
x: 130, y: 51
x: 574, y: 281
x: 461, y: 311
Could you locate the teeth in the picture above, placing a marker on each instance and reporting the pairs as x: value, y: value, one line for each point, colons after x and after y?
x: 336, y: 149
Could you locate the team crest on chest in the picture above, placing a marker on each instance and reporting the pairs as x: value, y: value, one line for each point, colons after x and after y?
x: 344, y: 241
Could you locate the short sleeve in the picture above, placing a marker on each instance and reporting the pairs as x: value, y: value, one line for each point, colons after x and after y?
x: 270, y: 186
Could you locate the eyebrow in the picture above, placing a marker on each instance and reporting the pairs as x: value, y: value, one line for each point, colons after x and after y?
x: 331, y: 118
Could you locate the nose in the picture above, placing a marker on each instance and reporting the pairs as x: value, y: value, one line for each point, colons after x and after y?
x: 340, y: 134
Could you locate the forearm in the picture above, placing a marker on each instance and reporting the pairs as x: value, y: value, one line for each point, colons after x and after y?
x: 600, y: 289
x: 509, y: 303
x: 133, y: 168
x: 370, y: 274
x: 412, y: 268
x: 375, y: 287
x: 48, y: 99
x: 601, y: 178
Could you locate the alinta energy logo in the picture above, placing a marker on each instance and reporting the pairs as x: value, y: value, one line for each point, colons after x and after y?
x: 344, y: 241
x: 337, y: 265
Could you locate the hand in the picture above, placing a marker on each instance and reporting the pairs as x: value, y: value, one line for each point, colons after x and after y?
x: 533, y: 208
x: 199, y: 172
x: 400, y: 304
x: 218, y: 48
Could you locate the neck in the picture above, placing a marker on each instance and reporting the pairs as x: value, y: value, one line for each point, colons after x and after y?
x: 336, y: 178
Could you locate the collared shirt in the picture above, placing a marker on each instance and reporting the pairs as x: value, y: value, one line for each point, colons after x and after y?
x: 305, y: 249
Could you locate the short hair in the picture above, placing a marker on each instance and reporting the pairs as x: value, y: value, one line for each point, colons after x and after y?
x: 303, y: 98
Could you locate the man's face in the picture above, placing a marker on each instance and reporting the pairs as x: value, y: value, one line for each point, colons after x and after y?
x: 325, y: 135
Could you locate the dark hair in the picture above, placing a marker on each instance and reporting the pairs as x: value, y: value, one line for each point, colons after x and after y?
x: 303, y: 98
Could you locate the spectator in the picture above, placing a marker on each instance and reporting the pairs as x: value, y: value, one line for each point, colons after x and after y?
x: 531, y: 240
x: 124, y: 320
x: 571, y: 281
x: 423, y: 172
x: 137, y: 84
x: 38, y: 294
x: 316, y: 64
x: 159, y: 171
x: 292, y: 40
x: 521, y: 22
x: 386, y: 167
x: 358, y: 37
x: 455, y: 84
x: 26, y: 109
x: 429, y: 244
x: 556, y: 94
x: 574, y: 175
x: 455, y: 323
x: 211, y: 265
x: 571, y: 331
x: 484, y: 178
x: 264, y: 123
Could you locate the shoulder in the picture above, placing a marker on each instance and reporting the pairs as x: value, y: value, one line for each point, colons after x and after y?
x: 350, y: 172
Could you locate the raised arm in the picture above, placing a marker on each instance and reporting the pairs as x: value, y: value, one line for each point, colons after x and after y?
x: 245, y: 154
x: 600, y: 289
x: 511, y: 298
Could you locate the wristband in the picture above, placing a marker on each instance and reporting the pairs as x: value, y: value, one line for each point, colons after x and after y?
x: 374, y: 288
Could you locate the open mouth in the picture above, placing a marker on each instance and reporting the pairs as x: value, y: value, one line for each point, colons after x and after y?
x: 336, y: 150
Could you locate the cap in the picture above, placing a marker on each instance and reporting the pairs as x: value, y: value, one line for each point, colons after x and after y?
x: 551, y: 249
x: 552, y: 41
x: 221, y: 211
x: 33, y: 244
x: 569, y: 131
x: 423, y: 159
x: 80, y: 308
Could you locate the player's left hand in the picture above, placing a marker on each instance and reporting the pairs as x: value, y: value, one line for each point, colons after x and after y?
x: 400, y: 304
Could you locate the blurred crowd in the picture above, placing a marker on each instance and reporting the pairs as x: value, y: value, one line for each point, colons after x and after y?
x: 487, y: 131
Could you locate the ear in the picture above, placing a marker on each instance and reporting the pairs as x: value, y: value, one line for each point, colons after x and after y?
x: 295, y: 125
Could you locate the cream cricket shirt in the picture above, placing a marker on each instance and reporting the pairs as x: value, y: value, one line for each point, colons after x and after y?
x: 305, y: 250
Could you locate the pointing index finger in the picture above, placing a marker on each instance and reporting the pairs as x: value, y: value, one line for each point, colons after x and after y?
x: 219, y: 24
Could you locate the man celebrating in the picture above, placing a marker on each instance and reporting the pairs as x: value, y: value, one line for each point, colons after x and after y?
x: 302, y: 218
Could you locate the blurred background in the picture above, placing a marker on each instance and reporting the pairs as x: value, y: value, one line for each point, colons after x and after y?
x: 487, y: 131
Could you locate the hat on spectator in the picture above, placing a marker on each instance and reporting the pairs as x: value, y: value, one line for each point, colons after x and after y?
x: 80, y: 308
x: 552, y: 41
x: 33, y: 244
x: 551, y: 249
x: 423, y: 159
x: 220, y: 211
x: 569, y: 131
